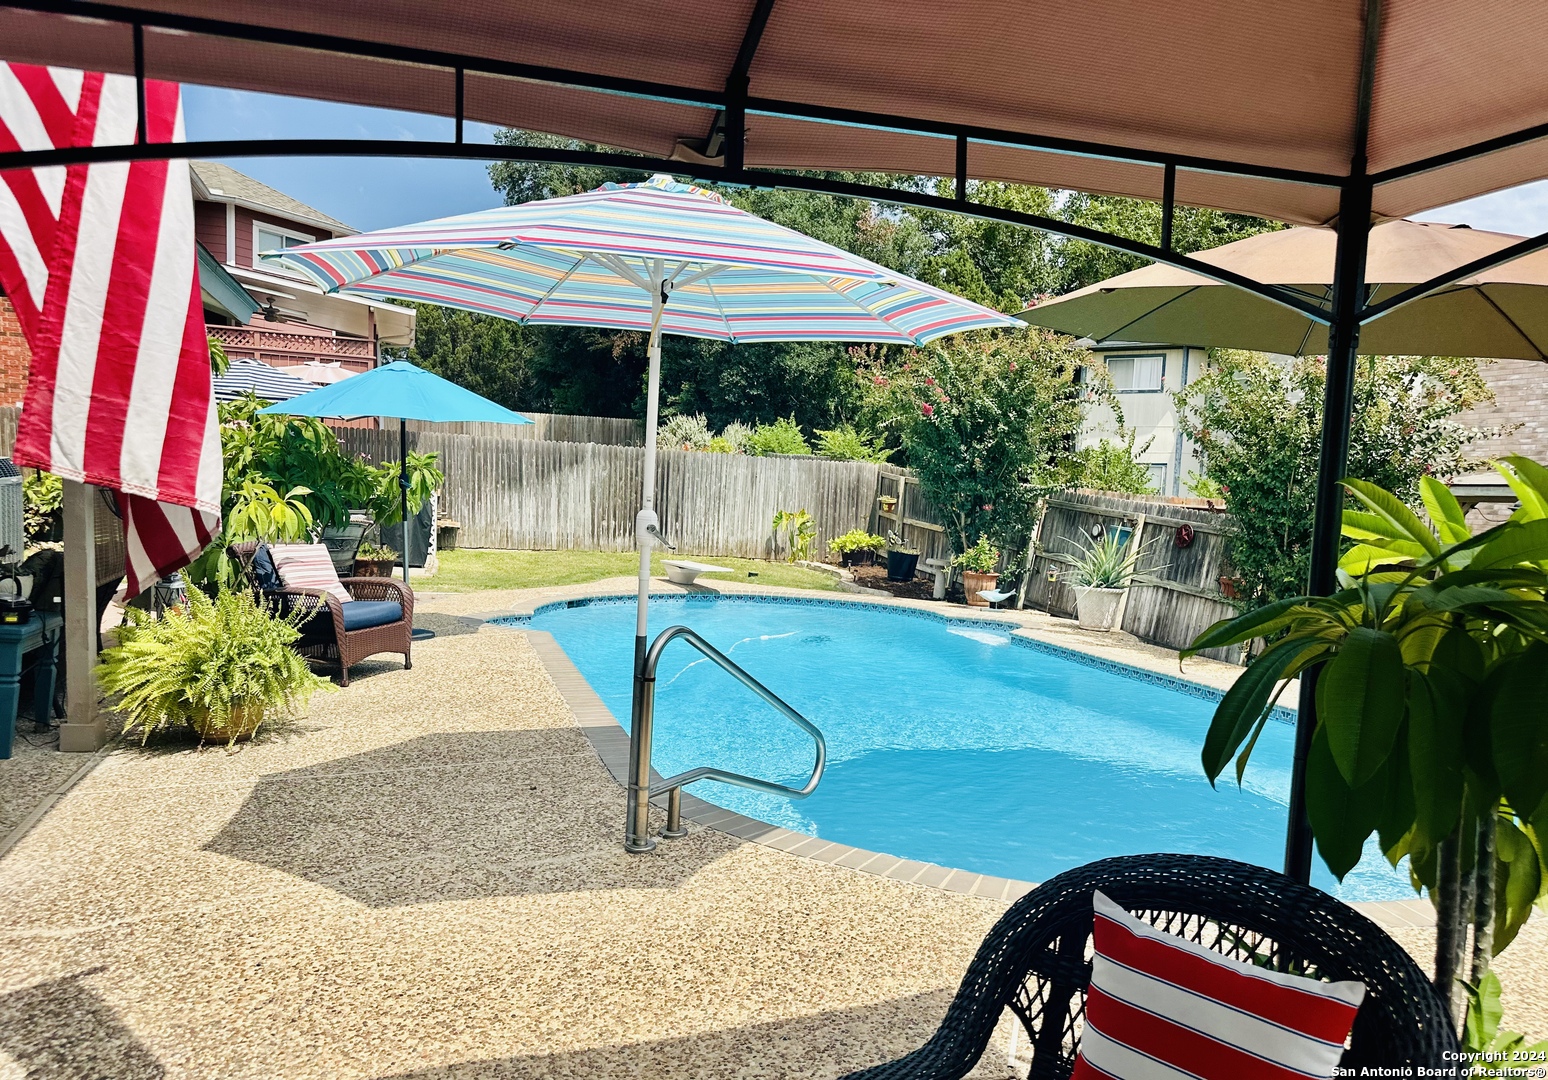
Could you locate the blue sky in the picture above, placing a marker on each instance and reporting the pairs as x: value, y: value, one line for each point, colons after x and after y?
x: 374, y: 193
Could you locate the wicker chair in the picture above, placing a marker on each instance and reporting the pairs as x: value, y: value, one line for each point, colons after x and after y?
x: 324, y: 636
x: 1036, y: 961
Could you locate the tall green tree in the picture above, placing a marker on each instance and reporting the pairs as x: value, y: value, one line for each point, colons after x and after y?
x: 1257, y: 422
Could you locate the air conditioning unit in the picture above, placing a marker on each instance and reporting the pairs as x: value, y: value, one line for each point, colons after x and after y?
x: 13, y: 537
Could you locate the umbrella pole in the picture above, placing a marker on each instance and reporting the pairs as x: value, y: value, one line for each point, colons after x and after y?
x: 403, y: 486
x: 637, y: 826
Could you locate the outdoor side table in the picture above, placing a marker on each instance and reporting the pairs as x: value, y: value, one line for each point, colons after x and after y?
x: 39, y: 634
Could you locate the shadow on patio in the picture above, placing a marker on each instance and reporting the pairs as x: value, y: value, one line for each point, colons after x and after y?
x: 63, y: 1030
x: 827, y: 1044
x: 452, y: 816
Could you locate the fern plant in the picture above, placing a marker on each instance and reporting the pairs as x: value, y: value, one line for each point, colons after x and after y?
x: 205, y: 659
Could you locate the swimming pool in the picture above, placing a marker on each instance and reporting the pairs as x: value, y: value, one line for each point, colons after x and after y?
x: 949, y: 741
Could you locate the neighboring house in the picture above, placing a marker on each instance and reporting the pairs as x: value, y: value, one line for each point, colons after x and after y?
x: 1520, y: 409
x: 1145, y: 376
x: 255, y: 311
x: 236, y: 218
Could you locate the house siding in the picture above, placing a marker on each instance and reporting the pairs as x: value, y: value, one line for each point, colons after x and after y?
x: 1520, y: 402
x: 244, y: 231
x: 15, y: 357
x: 210, y: 228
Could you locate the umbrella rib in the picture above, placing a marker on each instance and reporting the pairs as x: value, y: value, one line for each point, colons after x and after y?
x: 1147, y: 314
x: 730, y: 333
x: 621, y: 268
x: 555, y: 287
x: 878, y: 317
x: 1511, y: 322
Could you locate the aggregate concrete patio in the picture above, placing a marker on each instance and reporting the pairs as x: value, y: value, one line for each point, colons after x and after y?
x: 423, y: 878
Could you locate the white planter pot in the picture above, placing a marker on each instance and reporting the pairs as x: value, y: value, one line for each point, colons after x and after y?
x: 1097, y: 609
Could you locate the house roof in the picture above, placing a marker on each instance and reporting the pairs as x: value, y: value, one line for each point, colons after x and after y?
x: 222, y: 183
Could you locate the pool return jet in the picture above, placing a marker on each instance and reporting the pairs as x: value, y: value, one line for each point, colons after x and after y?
x: 668, y: 258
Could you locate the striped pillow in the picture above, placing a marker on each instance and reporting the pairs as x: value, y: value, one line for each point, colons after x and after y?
x: 1161, y: 1008
x: 308, y: 566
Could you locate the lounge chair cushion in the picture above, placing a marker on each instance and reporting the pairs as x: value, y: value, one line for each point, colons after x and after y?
x: 308, y: 566
x: 361, y: 614
x: 265, y: 576
x: 1158, y: 1000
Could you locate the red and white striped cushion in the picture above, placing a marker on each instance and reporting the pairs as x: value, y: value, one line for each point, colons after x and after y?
x: 308, y: 566
x: 1161, y: 1008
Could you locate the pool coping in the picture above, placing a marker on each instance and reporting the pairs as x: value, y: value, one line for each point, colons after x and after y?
x: 611, y: 745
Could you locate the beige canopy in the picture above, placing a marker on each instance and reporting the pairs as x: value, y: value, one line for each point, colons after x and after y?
x: 1502, y: 312
x: 1255, y: 104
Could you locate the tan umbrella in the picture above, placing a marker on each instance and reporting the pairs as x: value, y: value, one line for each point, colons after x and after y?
x: 1501, y: 312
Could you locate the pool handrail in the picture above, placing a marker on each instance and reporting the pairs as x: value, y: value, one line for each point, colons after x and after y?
x: 641, y: 790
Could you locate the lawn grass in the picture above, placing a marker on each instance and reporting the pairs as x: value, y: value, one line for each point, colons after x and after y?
x: 470, y: 570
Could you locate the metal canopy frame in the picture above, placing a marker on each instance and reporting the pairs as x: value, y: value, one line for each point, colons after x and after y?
x: 1345, y: 311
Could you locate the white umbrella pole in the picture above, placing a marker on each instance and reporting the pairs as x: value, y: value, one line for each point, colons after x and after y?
x: 637, y: 827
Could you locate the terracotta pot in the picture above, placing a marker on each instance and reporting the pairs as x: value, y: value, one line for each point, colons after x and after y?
x: 240, y: 726
x: 973, y: 583
x: 1097, y: 609
x: 375, y: 567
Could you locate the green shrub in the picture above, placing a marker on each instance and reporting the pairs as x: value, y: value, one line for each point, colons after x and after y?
x: 683, y: 432
x: 799, y: 529
x: 844, y: 443
x: 736, y: 433
x: 1112, y: 466
x: 721, y: 445
x: 780, y: 437
x: 42, y: 500
x: 981, y: 558
x: 857, y: 540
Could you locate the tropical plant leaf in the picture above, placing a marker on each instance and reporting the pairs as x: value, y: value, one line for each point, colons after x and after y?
x: 1397, y: 811
x: 1446, y: 514
x: 1518, y: 729
x: 1363, y: 558
x: 1360, y: 525
x: 1519, y: 542
x: 1518, y: 881
x: 1360, y: 701
x: 1386, y: 505
x: 1483, y: 1014
x: 1246, y: 702
x: 1341, y: 817
x: 1437, y: 709
x: 1265, y: 620
x: 1529, y: 481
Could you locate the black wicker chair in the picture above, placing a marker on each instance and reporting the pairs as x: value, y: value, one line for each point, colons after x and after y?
x: 1036, y: 961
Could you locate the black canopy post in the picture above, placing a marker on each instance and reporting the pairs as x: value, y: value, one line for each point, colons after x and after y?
x: 1354, y: 230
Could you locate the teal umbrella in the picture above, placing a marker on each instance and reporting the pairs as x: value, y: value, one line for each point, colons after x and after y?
x: 398, y: 389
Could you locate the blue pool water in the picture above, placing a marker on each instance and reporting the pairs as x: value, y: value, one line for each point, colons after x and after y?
x: 947, y: 742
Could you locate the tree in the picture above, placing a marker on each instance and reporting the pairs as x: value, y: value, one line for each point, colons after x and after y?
x: 1258, y: 421
x: 987, y: 421
x: 1112, y: 466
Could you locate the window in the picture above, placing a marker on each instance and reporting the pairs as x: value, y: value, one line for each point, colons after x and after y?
x: 274, y: 238
x: 1137, y: 374
x: 1157, y: 476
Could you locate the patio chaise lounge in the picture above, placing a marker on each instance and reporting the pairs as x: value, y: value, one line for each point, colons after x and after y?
x: 378, y: 619
x: 1036, y: 962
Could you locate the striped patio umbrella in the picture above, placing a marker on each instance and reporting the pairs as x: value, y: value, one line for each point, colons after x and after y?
x: 659, y: 256
x: 246, y: 375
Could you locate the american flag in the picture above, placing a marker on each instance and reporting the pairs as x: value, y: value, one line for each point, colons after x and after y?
x: 100, y: 264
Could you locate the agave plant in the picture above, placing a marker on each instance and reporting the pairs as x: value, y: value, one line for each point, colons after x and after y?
x: 1107, y: 563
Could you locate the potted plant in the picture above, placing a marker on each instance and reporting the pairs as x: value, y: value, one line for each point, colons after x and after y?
x: 375, y: 560
x: 223, y: 665
x: 902, y: 561
x: 977, y: 564
x: 1100, y: 575
x: 889, y: 504
x: 857, y: 546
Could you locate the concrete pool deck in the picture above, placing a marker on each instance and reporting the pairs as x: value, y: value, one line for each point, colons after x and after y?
x: 423, y: 878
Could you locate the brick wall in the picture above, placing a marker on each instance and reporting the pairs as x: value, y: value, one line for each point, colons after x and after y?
x: 1520, y: 400
x: 14, y: 356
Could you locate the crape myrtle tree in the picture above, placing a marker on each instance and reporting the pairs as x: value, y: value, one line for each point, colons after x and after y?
x: 1257, y: 422
x: 988, y: 422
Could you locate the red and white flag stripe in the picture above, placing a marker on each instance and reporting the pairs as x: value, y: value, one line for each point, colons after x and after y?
x: 100, y: 264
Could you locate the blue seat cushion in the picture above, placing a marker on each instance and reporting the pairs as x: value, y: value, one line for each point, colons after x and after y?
x: 362, y: 614
x: 265, y: 574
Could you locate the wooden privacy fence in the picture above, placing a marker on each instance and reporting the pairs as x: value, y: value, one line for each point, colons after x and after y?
x: 517, y: 493
x: 1179, y: 591
x: 545, y: 427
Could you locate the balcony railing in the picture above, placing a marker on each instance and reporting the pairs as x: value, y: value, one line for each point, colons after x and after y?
x: 289, y: 348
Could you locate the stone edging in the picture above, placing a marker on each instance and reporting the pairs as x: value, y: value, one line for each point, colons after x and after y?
x: 611, y: 744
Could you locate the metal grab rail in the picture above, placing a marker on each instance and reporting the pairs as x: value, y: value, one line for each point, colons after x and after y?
x: 640, y: 788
